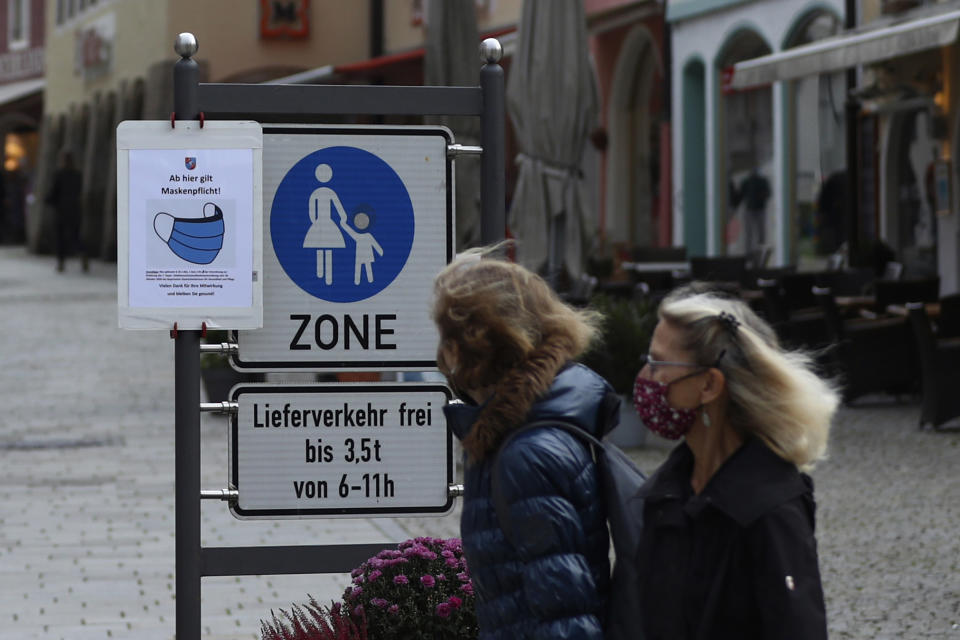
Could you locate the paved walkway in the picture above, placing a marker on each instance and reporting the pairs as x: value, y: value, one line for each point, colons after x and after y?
x: 87, y: 516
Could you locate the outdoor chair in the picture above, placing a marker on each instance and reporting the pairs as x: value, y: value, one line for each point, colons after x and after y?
x: 939, y: 370
x: 869, y: 355
x: 948, y: 325
x: 903, y: 291
x: 798, y: 290
x: 856, y: 281
x: 796, y: 326
x: 892, y: 270
x: 719, y: 268
x: 658, y: 254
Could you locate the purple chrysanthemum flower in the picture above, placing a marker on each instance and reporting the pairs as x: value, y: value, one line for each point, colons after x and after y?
x: 427, y: 581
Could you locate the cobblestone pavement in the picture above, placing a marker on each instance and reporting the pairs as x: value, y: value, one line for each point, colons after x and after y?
x: 87, y: 515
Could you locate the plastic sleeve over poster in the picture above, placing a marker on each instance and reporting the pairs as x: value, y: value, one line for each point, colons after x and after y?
x: 189, y: 225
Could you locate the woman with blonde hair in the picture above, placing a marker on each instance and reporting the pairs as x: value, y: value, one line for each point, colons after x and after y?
x: 728, y: 548
x: 506, y: 347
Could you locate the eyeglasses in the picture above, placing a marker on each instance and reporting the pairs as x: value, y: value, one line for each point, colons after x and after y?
x: 647, y: 361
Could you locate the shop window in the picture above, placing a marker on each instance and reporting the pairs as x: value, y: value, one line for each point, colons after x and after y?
x: 66, y: 10
x: 18, y: 151
x: 746, y: 157
x: 18, y: 23
x: 913, y: 221
x: 817, y: 206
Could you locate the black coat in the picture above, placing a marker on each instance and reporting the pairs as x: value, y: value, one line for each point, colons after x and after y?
x: 739, y: 560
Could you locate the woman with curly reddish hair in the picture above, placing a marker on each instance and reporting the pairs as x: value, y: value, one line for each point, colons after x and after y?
x: 507, y: 345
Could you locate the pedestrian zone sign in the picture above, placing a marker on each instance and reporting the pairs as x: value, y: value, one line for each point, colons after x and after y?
x: 379, y: 449
x: 357, y: 221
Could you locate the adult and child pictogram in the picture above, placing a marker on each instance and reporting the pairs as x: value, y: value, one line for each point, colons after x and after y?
x: 342, y: 211
x: 326, y: 235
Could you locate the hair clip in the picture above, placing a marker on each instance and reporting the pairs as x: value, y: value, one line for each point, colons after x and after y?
x: 728, y: 321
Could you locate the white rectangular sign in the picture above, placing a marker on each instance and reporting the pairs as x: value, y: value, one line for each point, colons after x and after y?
x: 357, y: 221
x: 380, y: 449
x: 189, y: 225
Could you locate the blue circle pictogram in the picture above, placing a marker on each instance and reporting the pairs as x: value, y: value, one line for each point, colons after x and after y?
x: 342, y: 224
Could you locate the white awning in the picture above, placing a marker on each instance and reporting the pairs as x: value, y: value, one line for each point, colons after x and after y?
x: 849, y: 50
x: 16, y: 90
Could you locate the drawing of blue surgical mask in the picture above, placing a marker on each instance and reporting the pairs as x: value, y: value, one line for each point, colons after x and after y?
x: 196, y: 240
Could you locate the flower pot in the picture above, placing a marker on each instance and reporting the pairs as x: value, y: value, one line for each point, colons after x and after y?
x: 631, y: 432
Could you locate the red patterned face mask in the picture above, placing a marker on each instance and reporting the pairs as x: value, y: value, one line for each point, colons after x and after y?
x: 650, y: 401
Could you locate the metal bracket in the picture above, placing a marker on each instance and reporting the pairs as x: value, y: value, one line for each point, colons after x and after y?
x: 227, y: 348
x: 454, y: 490
x: 454, y: 150
x: 220, y: 407
x: 227, y: 495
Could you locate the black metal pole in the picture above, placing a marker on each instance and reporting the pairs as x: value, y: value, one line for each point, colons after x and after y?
x: 376, y: 28
x: 493, y: 219
x: 852, y: 221
x: 187, y: 401
x: 851, y: 118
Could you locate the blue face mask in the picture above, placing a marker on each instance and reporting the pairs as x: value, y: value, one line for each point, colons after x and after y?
x: 196, y: 240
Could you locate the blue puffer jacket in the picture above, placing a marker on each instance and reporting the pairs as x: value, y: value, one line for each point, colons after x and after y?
x: 554, y: 581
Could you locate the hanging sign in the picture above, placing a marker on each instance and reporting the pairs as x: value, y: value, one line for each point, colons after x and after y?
x: 340, y: 450
x: 357, y: 222
x: 189, y: 225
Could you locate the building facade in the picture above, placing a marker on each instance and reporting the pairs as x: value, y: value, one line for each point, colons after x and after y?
x: 22, y: 30
x: 634, y: 194
x: 111, y: 60
x: 750, y: 164
x: 902, y: 98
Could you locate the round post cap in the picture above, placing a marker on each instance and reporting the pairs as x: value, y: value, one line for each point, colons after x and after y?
x: 185, y: 45
x: 491, y: 51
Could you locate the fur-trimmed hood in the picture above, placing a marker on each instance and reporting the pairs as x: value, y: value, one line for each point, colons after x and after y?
x: 576, y: 394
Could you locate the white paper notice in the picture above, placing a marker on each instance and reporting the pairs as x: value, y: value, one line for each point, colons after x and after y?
x: 191, y: 217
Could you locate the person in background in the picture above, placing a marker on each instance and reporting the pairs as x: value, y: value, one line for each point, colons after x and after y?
x: 64, y: 197
x: 506, y: 348
x: 754, y: 192
x: 728, y: 547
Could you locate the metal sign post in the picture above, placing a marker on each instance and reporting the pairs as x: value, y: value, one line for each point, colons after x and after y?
x: 301, y: 104
x: 187, y: 400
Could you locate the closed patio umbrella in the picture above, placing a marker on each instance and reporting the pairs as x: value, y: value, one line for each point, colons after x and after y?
x: 452, y: 59
x: 553, y: 106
